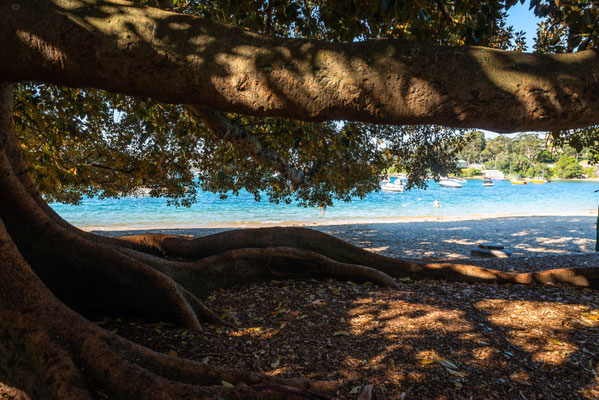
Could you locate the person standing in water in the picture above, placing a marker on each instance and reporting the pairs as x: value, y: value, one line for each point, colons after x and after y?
x: 322, y: 207
x: 436, y: 204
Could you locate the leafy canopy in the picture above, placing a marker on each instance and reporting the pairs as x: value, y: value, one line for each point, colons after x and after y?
x: 92, y: 143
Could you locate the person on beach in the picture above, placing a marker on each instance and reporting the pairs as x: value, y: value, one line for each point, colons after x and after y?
x: 436, y: 204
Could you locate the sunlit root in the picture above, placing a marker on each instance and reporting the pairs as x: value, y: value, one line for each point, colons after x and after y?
x: 339, y: 250
x: 243, y: 266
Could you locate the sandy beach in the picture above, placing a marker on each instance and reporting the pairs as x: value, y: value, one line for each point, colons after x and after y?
x: 443, y: 238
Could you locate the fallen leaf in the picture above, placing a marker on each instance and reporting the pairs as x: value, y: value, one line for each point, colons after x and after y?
x: 446, y: 363
x: 554, y: 340
x: 336, y: 292
x: 314, y: 375
x: 276, y: 363
x: 226, y: 384
x: 424, y: 361
x: 455, y: 373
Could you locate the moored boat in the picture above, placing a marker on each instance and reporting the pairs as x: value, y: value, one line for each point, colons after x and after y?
x: 537, y: 180
x: 392, y: 187
x: 450, y: 183
x: 518, y: 182
x: 459, y: 180
x: 487, y: 183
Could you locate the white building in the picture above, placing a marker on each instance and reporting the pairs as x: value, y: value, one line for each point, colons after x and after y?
x: 493, y: 174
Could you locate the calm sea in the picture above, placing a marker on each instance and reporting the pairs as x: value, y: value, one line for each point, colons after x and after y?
x: 471, y: 200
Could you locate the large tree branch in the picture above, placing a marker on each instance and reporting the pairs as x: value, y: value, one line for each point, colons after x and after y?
x: 136, y: 50
x: 222, y: 127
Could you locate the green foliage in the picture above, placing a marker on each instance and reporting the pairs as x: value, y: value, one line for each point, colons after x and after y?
x: 81, y: 143
x: 537, y: 170
x: 567, y: 167
x: 575, y: 141
x: 422, y: 151
x: 91, y: 143
x: 470, y: 172
x: 475, y: 144
x: 569, y: 25
x: 590, y: 172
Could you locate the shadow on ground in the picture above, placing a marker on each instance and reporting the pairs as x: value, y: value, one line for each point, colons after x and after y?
x: 427, y: 340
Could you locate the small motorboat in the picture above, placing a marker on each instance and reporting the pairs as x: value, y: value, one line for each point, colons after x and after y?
x: 488, y: 183
x: 459, y: 180
x: 450, y: 183
x: 518, y: 182
x: 392, y: 187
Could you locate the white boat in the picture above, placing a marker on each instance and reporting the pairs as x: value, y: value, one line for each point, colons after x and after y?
x: 487, y: 183
x: 450, y: 183
x: 392, y: 187
x: 458, y: 180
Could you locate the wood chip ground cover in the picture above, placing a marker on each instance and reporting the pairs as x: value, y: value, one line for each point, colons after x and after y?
x: 427, y: 340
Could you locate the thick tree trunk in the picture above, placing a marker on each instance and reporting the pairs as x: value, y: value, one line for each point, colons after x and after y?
x: 50, y: 351
x: 136, y: 50
x: 49, y: 270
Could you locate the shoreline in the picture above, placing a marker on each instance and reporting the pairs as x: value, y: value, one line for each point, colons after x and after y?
x: 327, y: 222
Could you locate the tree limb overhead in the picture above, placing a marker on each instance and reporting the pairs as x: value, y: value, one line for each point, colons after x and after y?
x: 118, y: 46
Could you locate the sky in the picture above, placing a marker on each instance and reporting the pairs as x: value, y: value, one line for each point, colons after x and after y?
x: 522, y: 19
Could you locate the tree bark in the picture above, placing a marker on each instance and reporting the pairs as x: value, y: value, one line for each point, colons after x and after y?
x: 50, y: 270
x: 121, y: 47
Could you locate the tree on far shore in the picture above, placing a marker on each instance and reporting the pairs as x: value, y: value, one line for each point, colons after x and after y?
x: 567, y: 167
x: 269, y: 67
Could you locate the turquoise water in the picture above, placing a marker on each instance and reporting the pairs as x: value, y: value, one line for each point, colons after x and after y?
x: 472, y: 199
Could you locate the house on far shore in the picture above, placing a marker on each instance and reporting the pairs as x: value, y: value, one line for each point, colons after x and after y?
x: 478, y: 166
x: 462, y: 164
x: 493, y: 174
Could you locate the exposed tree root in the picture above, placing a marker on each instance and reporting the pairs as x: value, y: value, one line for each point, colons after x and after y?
x: 47, y: 266
x: 49, y: 347
x: 339, y: 250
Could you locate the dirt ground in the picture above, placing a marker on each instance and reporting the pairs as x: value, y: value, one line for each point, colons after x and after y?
x: 427, y: 340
